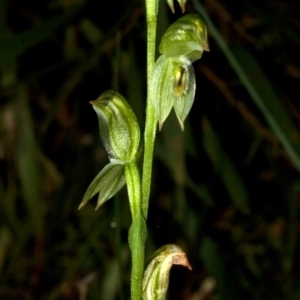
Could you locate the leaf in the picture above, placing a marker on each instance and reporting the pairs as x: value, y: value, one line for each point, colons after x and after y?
x: 28, y: 164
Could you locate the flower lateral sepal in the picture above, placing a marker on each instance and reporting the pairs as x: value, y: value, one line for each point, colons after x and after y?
x: 181, y: 3
x: 172, y: 85
x: 184, y: 87
x: 107, y: 183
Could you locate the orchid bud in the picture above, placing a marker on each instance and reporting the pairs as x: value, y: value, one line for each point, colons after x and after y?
x: 119, y: 128
x: 157, y: 273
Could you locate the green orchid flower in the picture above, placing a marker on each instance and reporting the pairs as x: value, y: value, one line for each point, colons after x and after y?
x: 120, y: 135
x: 173, y: 80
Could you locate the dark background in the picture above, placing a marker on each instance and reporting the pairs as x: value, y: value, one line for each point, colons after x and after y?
x: 226, y: 190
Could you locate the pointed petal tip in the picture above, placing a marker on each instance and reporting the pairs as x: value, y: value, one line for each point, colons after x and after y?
x: 99, y: 204
x: 181, y: 124
x: 182, y: 5
x: 171, y: 5
x: 81, y: 205
x: 187, y: 263
x: 160, y: 125
x: 189, y: 266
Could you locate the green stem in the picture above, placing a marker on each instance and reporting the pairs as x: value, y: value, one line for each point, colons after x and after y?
x: 133, y: 188
x: 151, y: 120
x: 139, y: 196
x: 137, y: 231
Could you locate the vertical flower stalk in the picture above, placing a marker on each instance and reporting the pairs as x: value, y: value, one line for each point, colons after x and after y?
x: 138, y: 230
x: 151, y: 119
x: 170, y: 83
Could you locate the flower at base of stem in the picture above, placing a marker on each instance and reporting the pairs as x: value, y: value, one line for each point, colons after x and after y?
x: 157, y: 273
